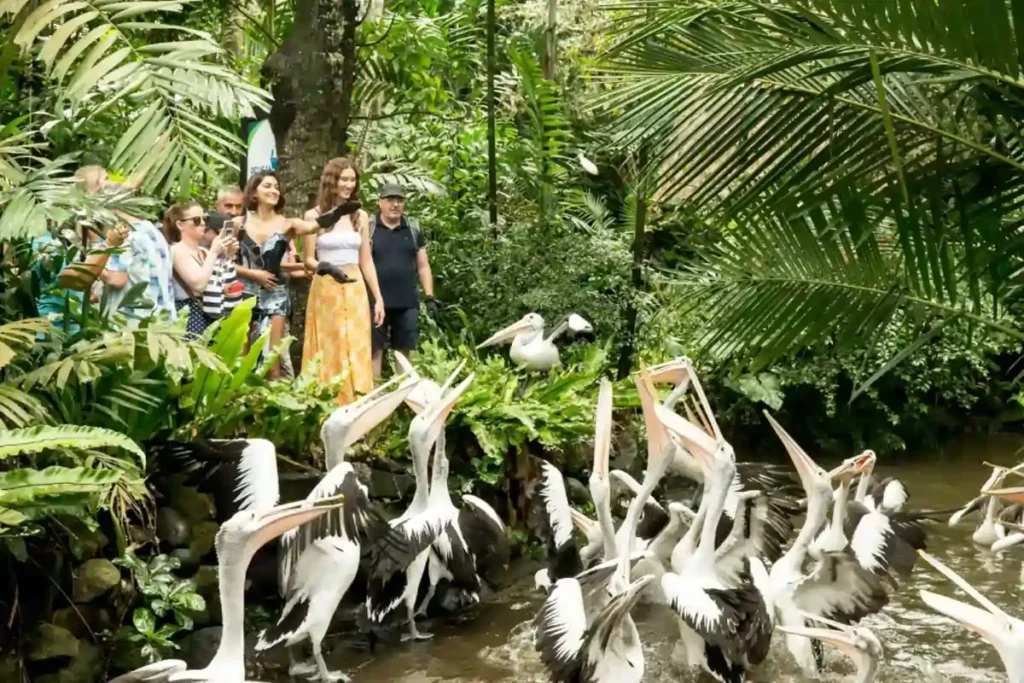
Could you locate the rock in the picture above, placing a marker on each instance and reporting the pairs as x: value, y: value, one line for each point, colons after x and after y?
x: 11, y: 668
x: 625, y: 450
x: 198, y: 647
x: 141, y: 535
x: 87, y: 544
x: 196, y: 507
x: 84, y: 668
x: 51, y: 641
x: 127, y: 655
x: 172, y: 527
x: 94, y: 578
x: 85, y: 621
x: 205, y: 579
x: 577, y: 492
x: 384, y: 484
x: 203, y: 535
x: 363, y: 472
x: 189, y: 560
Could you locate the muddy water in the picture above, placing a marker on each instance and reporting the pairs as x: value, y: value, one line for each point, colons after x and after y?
x: 495, y: 645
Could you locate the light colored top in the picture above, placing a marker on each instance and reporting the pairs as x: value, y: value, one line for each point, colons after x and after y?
x: 147, y: 259
x: 339, y: 247
x: 180, y: 293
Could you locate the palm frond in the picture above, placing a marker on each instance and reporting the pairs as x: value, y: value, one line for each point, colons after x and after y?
x: 100, y: 46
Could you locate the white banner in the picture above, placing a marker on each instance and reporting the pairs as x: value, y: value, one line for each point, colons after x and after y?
x: 262, y: 154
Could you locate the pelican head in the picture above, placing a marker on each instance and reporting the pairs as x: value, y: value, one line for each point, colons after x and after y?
x: 531, y: 323
x: 614, y: 650
x: 248, y: 530
x: 994, y: 480
x: 1003, y: 632
x: 680, y: 512
x: 851, y: 467
x: 856, y: 642
x: 815, y: 480
x: 426, y: 427
x: 348, y: 424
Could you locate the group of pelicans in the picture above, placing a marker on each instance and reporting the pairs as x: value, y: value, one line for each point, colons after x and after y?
x: 728, y: 571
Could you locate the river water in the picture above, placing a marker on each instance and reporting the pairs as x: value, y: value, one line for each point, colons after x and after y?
x: 495, y: 645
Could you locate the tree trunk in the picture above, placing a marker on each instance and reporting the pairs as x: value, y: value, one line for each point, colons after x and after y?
x: 312, y: 76
x: 625, y: 365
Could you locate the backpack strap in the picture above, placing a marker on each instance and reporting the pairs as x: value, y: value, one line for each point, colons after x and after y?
x: 414, y: 227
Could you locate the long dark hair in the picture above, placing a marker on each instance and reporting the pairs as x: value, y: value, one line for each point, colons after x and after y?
x: 328, y: 197
x: 251, y: 204
x: 172, y: 215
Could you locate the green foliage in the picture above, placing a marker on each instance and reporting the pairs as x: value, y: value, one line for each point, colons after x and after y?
x: 864, y: 160
x: 171, y: 603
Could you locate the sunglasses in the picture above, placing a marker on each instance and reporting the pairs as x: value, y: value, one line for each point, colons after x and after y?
x: 194, y: 220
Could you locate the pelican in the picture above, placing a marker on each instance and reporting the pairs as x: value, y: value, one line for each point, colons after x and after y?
x: 237, y: 541
x: 558, y: 519
x: 887, y: 495
x: 396, y: 574
x: 724, y: 630
x: 986, y: 532
x: 317, y: 569
x: 837, y: 585
x: 1003, y: 632
x: 609, y: 650
x: 856, y: 642
x: 533, y: 347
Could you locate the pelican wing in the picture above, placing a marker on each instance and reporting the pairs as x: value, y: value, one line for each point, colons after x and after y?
x: 357, y: 519
x: 564, y: 557
x: 241, y: 474
x: 889, y: 494
x: 653, y: 520
x: 485, y: 534
x: 715, y: 615
x: 561, y: 627
x: 839, y: 588
x: 158, y: 672
x: 391, y: 554
x: 454, y: 553
x: 884, y: 542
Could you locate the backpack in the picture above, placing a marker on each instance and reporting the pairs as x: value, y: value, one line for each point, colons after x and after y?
x: 414, y: 227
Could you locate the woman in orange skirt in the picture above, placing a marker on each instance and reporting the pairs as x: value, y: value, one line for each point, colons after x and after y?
x: 338, y: 311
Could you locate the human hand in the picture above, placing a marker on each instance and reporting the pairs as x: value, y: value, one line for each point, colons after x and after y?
x: 116, y: 236
x: 230, y: 246
x: 334, y: 215
x: 264, y: 279
x: 432, y: 305
x: 378, y: 313
x: 325, y: 268
x: 219, y: 244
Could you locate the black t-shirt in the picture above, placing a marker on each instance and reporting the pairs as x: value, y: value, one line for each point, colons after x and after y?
x: 394, y: 256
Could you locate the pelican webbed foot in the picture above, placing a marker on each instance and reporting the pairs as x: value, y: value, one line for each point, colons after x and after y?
x: 415, y: 634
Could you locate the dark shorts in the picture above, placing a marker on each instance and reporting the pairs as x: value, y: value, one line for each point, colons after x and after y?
x: 399, y: 331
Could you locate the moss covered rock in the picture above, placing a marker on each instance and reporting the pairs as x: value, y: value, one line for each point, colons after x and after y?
x: 50, y: 641
x: 94, y: 578
x: 84, y: 668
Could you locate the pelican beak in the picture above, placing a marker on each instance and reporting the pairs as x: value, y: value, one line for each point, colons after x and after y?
x: 658, y: 440
x: 805, y: 466
x: 676, y: 371
x: 681, y: 511
x: 991, y: 623
x: 405, y: 365
x: 986, y: 624
x: 1014, y: 494
x: 358, y: 418
x: 436, y: 416
x: 506, y: 335
x: 451, y: 378
x: 841, y: 640
x: 581, y: 521
x: 634, y: 589
x: 282, y: 518
x: 847, y: 468
x: 603, y: 428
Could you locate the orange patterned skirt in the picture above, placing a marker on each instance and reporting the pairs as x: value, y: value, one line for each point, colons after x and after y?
x: 338, y: 330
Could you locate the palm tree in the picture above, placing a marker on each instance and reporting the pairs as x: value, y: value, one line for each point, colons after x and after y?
x: 177, y: 102
x: 863, y: 156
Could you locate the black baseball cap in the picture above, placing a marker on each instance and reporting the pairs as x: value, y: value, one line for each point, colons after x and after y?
x: 392, y: 190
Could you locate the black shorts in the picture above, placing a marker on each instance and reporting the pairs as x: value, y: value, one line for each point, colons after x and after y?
x: 399, y: 331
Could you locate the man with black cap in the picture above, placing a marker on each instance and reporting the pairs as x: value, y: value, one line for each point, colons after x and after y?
x: 400, y: 256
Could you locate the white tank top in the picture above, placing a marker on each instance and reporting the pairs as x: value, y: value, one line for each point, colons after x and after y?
x: 339, y: 247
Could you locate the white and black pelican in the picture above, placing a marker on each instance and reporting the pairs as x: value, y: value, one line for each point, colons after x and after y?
x: 609, y: 649
x: 533, y: 347
x: 1004, y: 632
x: 986, y: 532
x: 600, y: 535
x: 888, y: 495
x: 400, y: 558
x: 856, y: 642
x: 237, y: 541
x: 319, y: 562
x: 724, y: 630
x: 836, y: 586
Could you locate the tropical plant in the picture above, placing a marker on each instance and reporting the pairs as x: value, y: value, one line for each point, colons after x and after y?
x: 174, y: 97
x: 866, y: 160
x: 167, y: 596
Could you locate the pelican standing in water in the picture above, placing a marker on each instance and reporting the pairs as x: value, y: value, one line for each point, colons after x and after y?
x: 318, y: 566
x: 609, y: 649
x: 533, y: 347
x: 237, y: 541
